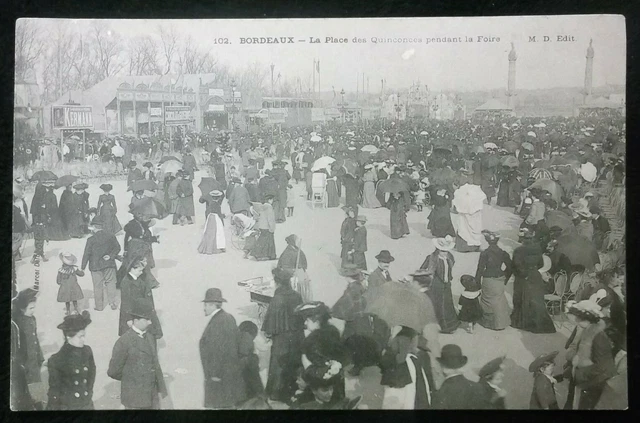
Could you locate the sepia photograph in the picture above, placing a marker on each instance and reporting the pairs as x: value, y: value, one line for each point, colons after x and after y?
x: 319, y: 214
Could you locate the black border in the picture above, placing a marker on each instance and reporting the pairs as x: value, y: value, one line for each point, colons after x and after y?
x: 167, y: 9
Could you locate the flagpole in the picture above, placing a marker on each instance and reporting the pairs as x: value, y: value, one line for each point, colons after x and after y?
x: 314, y: 77
x: 319, y: 90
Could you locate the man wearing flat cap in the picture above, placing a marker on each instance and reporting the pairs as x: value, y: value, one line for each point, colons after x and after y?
x: 223, y: 383
x: 134, y: 362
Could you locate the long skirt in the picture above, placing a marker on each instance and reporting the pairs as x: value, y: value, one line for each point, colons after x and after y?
x: 440, y: 294
x: 463, y: 247
x: 75, y: 224
x: 265, y: 247
x: 398, y: 225
x: 496, y: 313
x: 380, y: 195
x: 55, y: 230
x: 302, y: 285
x: 469, y: 231
x: 347, y: 258
x: 333, y: 199
x: 529, y: 310
x: 278, y: 209
x: 360, y: 341
x: 440, y: 223
x: 110, y: 222
x: 285, y: 360
x: 213, y: 241
x: 360, y: 260
x: 369, y: 199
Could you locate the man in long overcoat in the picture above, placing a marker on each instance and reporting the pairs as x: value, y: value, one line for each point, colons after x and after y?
x: 239, y: 198
x: 190, y: 165
x: 185, y: 208
x: 134, y: 362
x: 223, y: 383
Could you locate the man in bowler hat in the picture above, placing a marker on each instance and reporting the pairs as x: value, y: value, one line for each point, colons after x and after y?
x: 223, y: 382
x: 457, y: 392
x: 134, y: 362
x: 381, y: 274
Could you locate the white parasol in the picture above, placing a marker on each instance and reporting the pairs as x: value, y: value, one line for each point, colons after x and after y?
x: 370, y: 148
x: 322, y: 163
x: 424, y: 133
x: 65, y: 149
x: 468, y: 199
x: 540, y: 125
x: 315, y: 138
x: 117, y: 151
x: 588, y: 171
x: 532, y: 134
x: 490, y: 145
x: 351, y: 133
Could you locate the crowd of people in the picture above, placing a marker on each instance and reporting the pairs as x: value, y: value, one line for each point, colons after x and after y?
x: 546, y: 171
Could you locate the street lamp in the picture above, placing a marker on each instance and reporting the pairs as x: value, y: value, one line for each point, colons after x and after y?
x: 398, y: 107
x: 233, y: 103
x: 343, y: 110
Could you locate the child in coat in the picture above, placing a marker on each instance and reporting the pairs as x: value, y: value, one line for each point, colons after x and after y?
x: 69, y: 291
x: 469, y: 302
x: 421, y: 194
x: 291, y: 200
x: 543, y: 396
x: 249, y: 360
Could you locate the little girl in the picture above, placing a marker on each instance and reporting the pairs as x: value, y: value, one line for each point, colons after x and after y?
x: 291, y: 200
x: 421, y: 194
x: 470, y: 309
x: 70, y: 290
x: 249, y: 360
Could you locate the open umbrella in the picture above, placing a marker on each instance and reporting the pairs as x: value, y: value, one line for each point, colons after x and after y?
x: 527, y: 146
x: 468, y: 199
x: 208, y: 184
x: 511, y: 146
x: 117, y: 151
x: 401, y: 305
x: 510, y: 161
x: 557, y: 218
x: 65, y: 180
x: 540, y: 173
x: 167, y: 158
x: 44, y: 175
x: 147, y: 207
x: 144, y: 184
x: 394, y: 186
x: 589, y: 172
x: 322, y: 163
x: 549, y: 186
x: 442, y: 177
x: 370, y: 148
x: 315, y: 138
x: 579, y: 250
x: 171, y: 166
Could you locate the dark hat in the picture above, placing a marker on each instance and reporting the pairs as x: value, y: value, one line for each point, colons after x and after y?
x: 132, y: 163
x: 321, y: 375
x: 347, y: 209
x: 385, y: 256
x: 361, y: 218
x: 213, y: 295
x: 96, y: 222
x: 595, y: 210
x: 148, y: 164
x: 292, y: 239
x: 268, y: 197
x: 312, y: 308
x: 79, y: 186
x: 491, y: 367
x: 249, y: 327
x: 351, y: 270
x: 106, y: 187
x: 541, y: 360
x: 24, y: 298
x: 490, y: 236
x: 236, y: 180
x: 469, y: 283
x: 281, y: 275
x: 451, y: 357
x: 142, y: 308
x: 75, y: 322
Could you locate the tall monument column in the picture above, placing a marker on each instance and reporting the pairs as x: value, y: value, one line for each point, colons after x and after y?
x: 588, y: 73
x: 511, y: 83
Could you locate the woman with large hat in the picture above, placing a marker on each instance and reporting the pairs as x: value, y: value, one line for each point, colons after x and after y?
x: 107, y: 210
x: 72, y: 370
x: 55, y: 230
x: 494, y: 278
x: 529, y: 310
x: 440, y: 265
x: 213, y: 240
x: 321, y: 380
x: 294, y: 260
x: 322, y: 341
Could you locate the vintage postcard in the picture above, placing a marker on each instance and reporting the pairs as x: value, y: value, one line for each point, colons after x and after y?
x: 423, y: 213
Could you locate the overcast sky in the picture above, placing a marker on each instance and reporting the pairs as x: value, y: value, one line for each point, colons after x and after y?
x: 441, y: 66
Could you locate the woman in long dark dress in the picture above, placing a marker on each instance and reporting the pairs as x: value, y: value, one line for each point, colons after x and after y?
x: 55, y: 229
x: 440, y: 223
x: 138, y: 241
x: 440, y: 265
x: 294, y: 261
x: 529, y: 310
x: 75, y: 218
x: 72, y: 370
x: 509, y: 188
x: 496, y: 313
x: 398, y: 216
x: 347, y: 233
x: 322, y: 342
x: 40, y: 219
x: 107, y: 210
x: 286, y: 332
x: 66, y: 206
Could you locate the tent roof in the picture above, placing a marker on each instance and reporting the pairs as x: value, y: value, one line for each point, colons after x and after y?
x: 493, y: 104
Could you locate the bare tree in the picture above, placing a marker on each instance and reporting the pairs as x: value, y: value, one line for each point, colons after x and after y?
x: 143, y: 56
x: 169, y: 43
x: 106, y: 48
x: 192, y: 59
x: 254, y: 77
x: 29, y: 47
x: 57, y: 76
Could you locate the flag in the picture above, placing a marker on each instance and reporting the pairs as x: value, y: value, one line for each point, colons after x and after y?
x: 318, y: 66
x: 334, y: 91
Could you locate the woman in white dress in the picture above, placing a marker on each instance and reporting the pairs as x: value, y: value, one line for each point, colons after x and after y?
x: 213, y: 240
